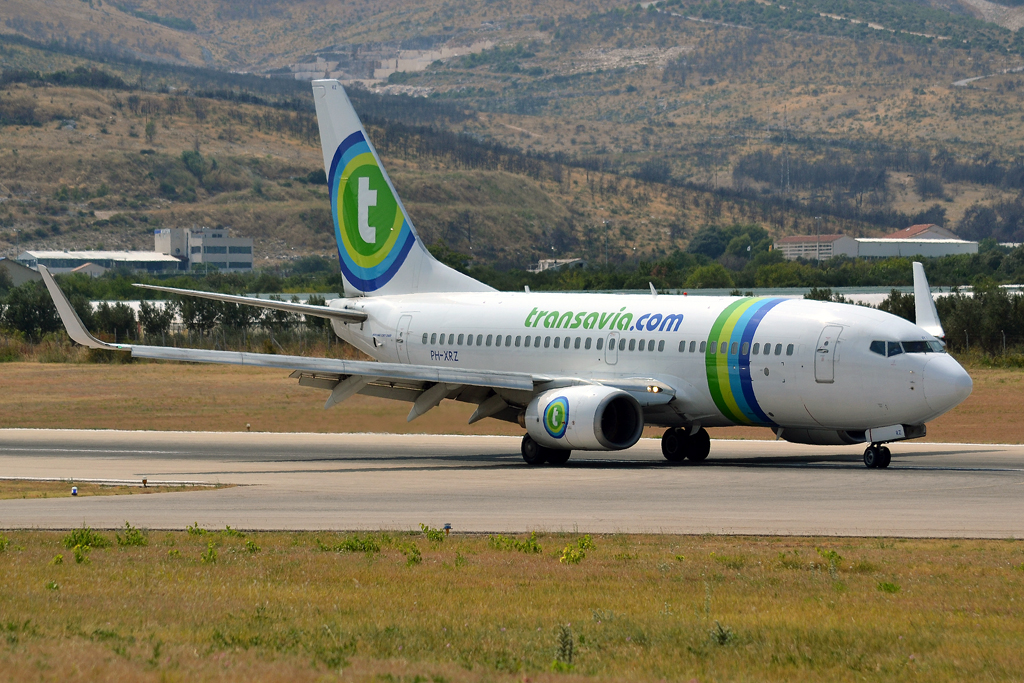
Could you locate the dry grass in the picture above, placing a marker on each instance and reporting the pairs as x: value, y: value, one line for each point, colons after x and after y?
x: 638, y: 607
x: 226, y: 398
x: 11, y: 488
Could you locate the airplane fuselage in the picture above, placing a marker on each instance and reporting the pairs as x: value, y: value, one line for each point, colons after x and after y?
x: 732, y: 360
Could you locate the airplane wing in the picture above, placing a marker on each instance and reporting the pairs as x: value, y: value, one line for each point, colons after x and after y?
x: 344, y: 314
x: 497, y: 394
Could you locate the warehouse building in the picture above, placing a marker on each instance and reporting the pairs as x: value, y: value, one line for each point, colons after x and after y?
x: 926, y: 240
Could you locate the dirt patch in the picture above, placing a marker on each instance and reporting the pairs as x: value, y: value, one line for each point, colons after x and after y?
x: 230, y: 399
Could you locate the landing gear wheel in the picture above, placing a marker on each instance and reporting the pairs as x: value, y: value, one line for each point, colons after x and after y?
x: 533, y: 452
x: 557, y: 457
x: 873, y: 456
x: 885, y: 457
x: 698, y: 446
x: 674, y: 444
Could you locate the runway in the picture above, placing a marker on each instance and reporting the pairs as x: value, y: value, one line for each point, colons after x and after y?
x: 480, y: 484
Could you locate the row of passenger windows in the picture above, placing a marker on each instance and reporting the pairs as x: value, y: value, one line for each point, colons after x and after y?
x: 586, y: 343
x: 895, y: 348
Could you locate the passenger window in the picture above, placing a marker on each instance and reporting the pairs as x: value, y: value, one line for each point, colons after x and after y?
x: 789, y: 350
x: 586, y: 344
x: 745, y: 348
x: 489, y: 337
x: 440, y: 340
x: 713, y: 348
x: 527, y: 344
x: 778, y: 349
x: 642, y: 344
x: 547, y: 342
x: 632, y: 344
x: 433, y: 338
x: 725, y: 346
x: 693, y: 343
x: 576, y: 345
x: 895, y: 349
x: 462, y: 338
x: 479, y: 340
x: 469, y: 340
x: 557, y: 341
x: 622, y: 345
x: 424, y: 337
x: 536, y: 342
x: 682, y: 346
x: 732, y: 349
x: 519, y: 340
x: 508, y: 340
x: 878, y: 347
x: 703, y: 346
x: 600, y: 343
x: 757, y: 348
x: 661, y: 346
x: 565, y: 344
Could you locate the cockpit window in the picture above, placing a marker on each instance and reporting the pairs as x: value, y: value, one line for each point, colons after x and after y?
x: 895, y: 348
x: 923, y: 347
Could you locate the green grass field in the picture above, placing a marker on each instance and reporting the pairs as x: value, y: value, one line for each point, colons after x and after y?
x: 402, y: 607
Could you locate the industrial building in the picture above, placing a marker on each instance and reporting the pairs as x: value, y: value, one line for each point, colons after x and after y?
x: 67, y: 261
x: 926, y: 240
x: 210, y: 246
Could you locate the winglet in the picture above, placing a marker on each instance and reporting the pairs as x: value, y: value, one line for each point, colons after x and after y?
x: 924, y: 305
x: 72, y: 323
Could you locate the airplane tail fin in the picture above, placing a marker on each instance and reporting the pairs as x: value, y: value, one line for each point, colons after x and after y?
x: 379, y: 250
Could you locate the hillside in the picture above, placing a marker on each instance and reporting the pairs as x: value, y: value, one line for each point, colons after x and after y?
x: 659, y: 121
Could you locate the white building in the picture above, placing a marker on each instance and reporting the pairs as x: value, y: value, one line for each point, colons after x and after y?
x: 66, y: 261
x: 816, y: 247
x: 925, y: 240
x: 212, y: 246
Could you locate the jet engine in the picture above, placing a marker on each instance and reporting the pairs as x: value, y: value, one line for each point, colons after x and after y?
x: 588, y: 417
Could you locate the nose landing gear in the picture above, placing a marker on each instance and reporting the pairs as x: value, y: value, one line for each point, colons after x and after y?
x: 678, y: 445
x: 877, y: 456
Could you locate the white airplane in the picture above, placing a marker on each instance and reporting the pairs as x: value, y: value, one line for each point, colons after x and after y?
x: 588, y: 371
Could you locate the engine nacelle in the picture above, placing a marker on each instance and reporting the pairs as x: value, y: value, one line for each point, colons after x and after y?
x: 588, y: 417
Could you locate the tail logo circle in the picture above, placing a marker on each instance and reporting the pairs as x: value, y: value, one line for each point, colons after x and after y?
x: 556, y: 417
x: 373, y: 234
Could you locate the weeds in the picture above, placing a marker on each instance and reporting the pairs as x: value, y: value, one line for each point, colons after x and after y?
x: 210, y: 556
x: 528, y: 545
x: 833, y: 558
x: 57, y: 559
x: 412, y: 554
x: 81, y: 553
x: 4, y: 543
x: 565, y: 651
x: 85, y: 537
x: 173, y: 553
x: 721, y: 635
x: 888, y: 587
x: 736, y: 562
x: 251, y: 547
x: 132, y: 537
x: 233, y: 533
x: 574, y: 553
x: 195, y: 530
x: 435, y: 536
x: 52, y: 586
x: 352, y: 544
x: 460, y: 561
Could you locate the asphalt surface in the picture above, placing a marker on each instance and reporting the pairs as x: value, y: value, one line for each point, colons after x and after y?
x: 378, y: 481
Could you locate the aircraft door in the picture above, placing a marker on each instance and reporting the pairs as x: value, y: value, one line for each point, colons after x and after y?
x: 611, y: 352
x: 825, y: 354
x: 402, y: 338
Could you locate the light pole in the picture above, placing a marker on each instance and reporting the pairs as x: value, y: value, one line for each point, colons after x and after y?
x: 817, y: 240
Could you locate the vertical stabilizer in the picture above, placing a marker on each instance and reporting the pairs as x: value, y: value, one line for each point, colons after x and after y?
x: 379, y: 250
x: 924, y: 305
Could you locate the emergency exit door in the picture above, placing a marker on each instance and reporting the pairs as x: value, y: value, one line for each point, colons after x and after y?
x: 825, y: 355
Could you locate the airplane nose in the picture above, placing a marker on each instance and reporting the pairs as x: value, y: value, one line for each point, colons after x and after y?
x: 946, y: 383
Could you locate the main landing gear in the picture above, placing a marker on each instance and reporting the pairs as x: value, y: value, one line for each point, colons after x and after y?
x: 535, y: 454
x: 678, y: 445
x: 877, y: 456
